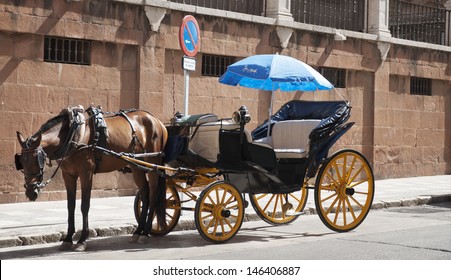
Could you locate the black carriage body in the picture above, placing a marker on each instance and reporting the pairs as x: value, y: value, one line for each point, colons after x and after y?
x: 254, y: 168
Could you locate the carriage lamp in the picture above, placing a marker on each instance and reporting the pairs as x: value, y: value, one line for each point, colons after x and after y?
x: 241, y: 116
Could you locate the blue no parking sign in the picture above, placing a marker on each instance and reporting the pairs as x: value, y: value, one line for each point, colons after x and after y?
x: 189, y: 36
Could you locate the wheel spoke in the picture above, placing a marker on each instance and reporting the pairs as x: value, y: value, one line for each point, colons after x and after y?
x: 351, y: 210
x: 344, y: 168
x: 356, y: 202
x: 344, y: 212
x: 358, y: 183
x: 221, y: 222
x: 228, y: 223
x: 261, y: 196
x: 223, y: 196
x: 276, y: 201
x: 337, y: 212
x: 329, y: 197
x: 269, y: 202
x: 332, y: 206
x: 356, y: 174
x: 331, y: 177
x: 211, y: 199
x: 232, y: 206
x: 337, y: 170
x: 351, y: 167
x: 294, y: 197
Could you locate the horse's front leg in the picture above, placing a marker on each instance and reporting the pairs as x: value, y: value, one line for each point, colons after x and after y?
x: 86, y: 187
x: 71, y: 190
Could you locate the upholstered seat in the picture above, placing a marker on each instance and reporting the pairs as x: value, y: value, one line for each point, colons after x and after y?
x: 290, y: 139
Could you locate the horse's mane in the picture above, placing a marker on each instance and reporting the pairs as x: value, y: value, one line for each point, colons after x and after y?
x: 51, y: 123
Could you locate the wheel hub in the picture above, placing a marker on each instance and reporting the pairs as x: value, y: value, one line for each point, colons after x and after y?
x: 225, y: 213
x: 350, y: 191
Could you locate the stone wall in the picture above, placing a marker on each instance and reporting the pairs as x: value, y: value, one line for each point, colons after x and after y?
x: 32, y: 91
x: 400, y: 134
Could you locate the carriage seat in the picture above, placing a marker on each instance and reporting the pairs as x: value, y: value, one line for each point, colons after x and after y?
x: 290, y: 139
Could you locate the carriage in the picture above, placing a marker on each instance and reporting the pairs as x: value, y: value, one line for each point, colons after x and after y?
x: 231, y: 166
x: 217, y: 164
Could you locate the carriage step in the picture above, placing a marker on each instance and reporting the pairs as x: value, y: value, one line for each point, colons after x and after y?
x: 294, y: 213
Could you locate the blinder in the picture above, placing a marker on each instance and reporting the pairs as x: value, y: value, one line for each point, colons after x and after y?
x: 19, y: 165
x: 37, y: 153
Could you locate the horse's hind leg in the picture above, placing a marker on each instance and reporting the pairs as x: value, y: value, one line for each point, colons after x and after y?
x: 155, y: 183
x: 71, y: 190
x: 142, y: 184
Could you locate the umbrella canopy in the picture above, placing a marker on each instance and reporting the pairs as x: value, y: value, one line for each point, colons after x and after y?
x: 274, y: 72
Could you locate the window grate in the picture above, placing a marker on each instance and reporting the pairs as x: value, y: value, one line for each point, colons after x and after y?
x: 334, y: 75
x: 215, y: 65
x: 420, y: 86
x: 65, y: 50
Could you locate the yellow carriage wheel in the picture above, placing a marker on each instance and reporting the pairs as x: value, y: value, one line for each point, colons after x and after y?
x: 279, y: 209
x: 219, y: 212
x: 344, y: 190
x: 173, y: 209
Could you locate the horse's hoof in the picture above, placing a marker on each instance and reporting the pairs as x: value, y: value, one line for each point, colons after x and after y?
x: 79, y: 247
x: 65, y: 246
x: 143, y: 239
x: 134, y: 238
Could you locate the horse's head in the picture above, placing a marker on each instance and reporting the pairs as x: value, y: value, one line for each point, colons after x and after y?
x: 31, y: 161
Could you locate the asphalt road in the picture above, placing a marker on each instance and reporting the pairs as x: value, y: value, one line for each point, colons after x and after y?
x: 406, y: 233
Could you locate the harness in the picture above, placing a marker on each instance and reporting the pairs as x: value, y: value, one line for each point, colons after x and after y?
x: 71, y: 143
x: 100, y: 132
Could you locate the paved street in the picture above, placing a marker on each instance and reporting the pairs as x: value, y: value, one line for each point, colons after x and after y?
x: 408, y: 233
x: 23, y: 224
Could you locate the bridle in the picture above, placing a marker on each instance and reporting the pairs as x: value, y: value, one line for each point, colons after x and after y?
x: 67, y: 148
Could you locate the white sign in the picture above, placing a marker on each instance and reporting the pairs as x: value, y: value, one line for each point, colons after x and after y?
x: 189, y: 63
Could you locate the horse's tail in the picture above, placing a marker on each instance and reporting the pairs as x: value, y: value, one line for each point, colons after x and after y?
x: 160, y: 208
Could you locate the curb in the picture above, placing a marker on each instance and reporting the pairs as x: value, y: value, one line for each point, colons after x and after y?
x: 24, y: 240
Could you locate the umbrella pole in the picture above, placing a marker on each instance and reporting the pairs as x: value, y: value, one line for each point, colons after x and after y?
x: 270, y: 113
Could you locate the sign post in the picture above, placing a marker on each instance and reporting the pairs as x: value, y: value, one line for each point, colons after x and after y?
x: 189, y: 38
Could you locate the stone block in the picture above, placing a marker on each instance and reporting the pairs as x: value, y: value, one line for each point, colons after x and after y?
x: 409, y: 202
x: 394, y: 203
x: 92, y: 234
x: 38, y: 73
x: 429, y: 120
x: 6, y: 242
x: 36, y: 97
x: 425, y: 137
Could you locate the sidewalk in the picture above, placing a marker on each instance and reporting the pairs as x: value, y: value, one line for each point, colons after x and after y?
x: 44, y: 222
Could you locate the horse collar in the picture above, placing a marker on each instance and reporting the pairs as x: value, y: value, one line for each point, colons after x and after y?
x: 75, y: 121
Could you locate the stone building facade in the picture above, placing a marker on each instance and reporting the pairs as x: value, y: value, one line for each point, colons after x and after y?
x: 135, y: 62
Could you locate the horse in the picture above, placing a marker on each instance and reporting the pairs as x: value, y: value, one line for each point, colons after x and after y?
x: 71, y: 139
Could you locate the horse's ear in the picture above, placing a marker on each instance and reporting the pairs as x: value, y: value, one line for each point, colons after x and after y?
x: 35, y: 141
x: 21, y: 139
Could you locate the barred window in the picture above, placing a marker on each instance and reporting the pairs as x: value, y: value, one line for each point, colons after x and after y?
x: 334, y: 75
x: 66, y: 50
x: 215, y: 65
x: 420, y: 86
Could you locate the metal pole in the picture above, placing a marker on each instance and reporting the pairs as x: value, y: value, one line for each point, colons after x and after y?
x: 186, y: 72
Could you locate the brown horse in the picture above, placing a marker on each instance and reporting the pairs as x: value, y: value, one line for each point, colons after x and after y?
x: 71, y: 139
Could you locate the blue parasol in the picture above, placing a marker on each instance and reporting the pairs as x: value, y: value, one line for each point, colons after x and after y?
x: 274, y: 72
